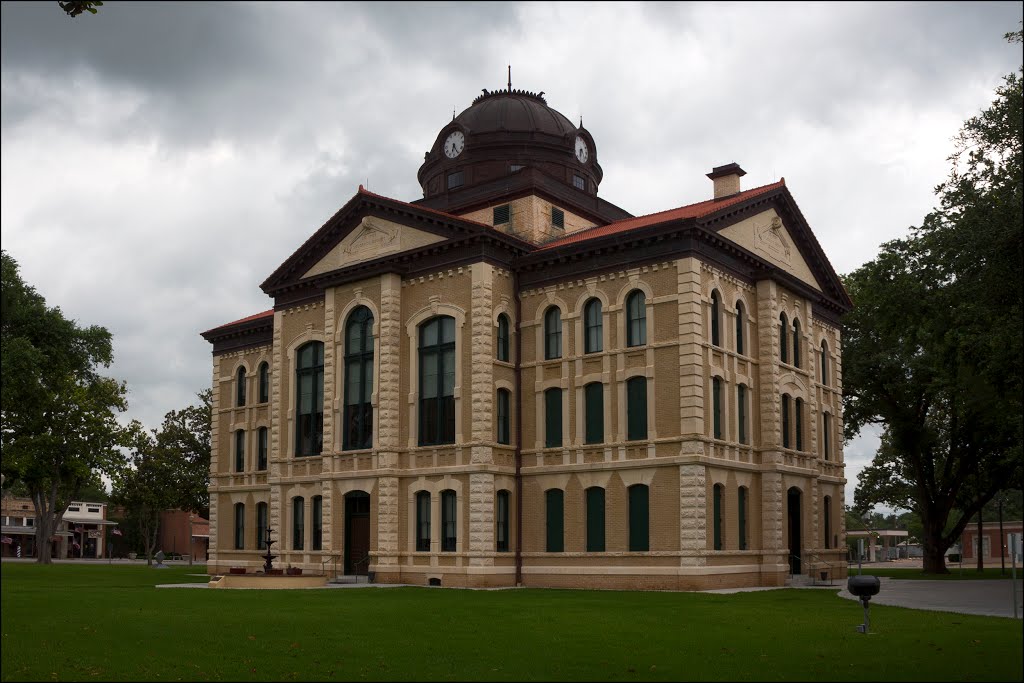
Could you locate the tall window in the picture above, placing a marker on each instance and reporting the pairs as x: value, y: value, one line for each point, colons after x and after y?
x: 261, y: 449
x: 716, y: 405
x: 423, y: 521
x: 239, y: 526
x: 502, y: 531
x: 264, y: 382
x: 261, y: 526
x: 592, y: 326
x: 798, y: 415
x: 742, y: 503
x: 309, y: 382
x: 639, y: 517
x: 783, y: 338
x: 358, y: 418
x: 717, y: 502
x: 715, y: 308
x: 741, y: 412
x: 826, y: 436
x: 636, y: 318
x: 318, y: 522
x: 594, y: 406
x: 740, y: 321
x: 796, y: 343
x: 448, y: 521
x: 437, y: 381
x: 240, y: 387
x: 298, y: 523
x: 503, y: 338
x: 785, y: 420
x: 824, y: 362
x: 595, y: 519
x: 553, y: 418
x: 553, y: 333
x: 828, y: 521
x: 239, y: 450
x: 636, y: 408
x: 504, y: 423
x: 555, y: 523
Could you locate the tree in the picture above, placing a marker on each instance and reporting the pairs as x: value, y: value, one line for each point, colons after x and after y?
x: 933, y: 347
x: 58, y: 423
x: 186, y: 434
x: 76, y: 7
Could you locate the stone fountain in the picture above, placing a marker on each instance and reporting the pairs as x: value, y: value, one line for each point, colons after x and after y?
x: 269, y: 564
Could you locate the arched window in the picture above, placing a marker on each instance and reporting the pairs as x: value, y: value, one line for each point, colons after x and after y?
x: 264, y: 382
x: 239, y: 526
x: 785, y: 420
x: 636, y: 408
x: 715, y: 310
x: 798, y: 414
x: 824, y: 362
x: 595, y: 519
x: 783, y: 338
x: 448, y: 521
x: 741, y: 412
x: 796, y: 342
x: 639, y: 517
x: 298, y: 523
x: 742, y: 510
x: 552, y: 418
x: 309, y: 395
x: 437, y: 381
x: 423, y: 521
x: 716, y: 405
x: 239, y: 450
x: 593, y: 399
x: 502, y: 519
x: 261, y: 449
x: 261, y: 526
x: 240, y: 387
x: 717, y: 511
x: 358, y: 418
x: 827, y: 510
x: 592, y: 326
x: 504, y: 421
x: 636, y: 318
x: 826, y: 436
x: 740, y: 322
x: 553, y: 333
x: 318, y: 522
x: 555, y: 522
x: 503, y: 338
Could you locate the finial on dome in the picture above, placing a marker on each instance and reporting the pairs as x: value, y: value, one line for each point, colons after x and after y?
x: 510, y: 78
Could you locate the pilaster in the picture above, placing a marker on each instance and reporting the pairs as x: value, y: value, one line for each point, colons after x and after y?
x: 693, y: 513
x: 482, y: 358
x: 481, y: 519
x: 691, y: 364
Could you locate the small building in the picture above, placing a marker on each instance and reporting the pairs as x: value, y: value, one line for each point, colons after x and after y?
x: 883, y: 545
x: 177, y: 527
x: 993, y: 543
x: 82, y: 533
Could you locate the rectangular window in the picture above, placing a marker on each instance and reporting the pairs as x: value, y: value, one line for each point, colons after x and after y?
x: 555, y: 521
x: 93, y: 510
x: 557, y: 218
x: 239, y: 450
x: 595, y: 520
x: 716, y: 401
x: 262, y: 452
x: 785, y: 421
x: 828, y: 522
x: 501, y: 536
x: 718, y: 516
x: 502, y: 214
x: 639, y: 517
x: 553, y: 418
x: 504, y: 422
x: 455, y: 180
x: 423, y: 521
x: 298, y: 523
x: 239, y: 526
x: 318, y: 522
x: 743, y: 518
x: 448, y: 521
x: 579, y: 182
x: 826, y: 433
x: 799, y: 415
x: 741, y: 412
x: 636, y: 408
x: 594, y: 405
x: 261, y: 526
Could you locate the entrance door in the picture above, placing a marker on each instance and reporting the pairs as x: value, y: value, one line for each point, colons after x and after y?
x: 357, y: 532
x: 793, y: 507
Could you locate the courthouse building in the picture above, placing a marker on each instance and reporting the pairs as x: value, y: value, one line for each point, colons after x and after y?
x: 512, y: 381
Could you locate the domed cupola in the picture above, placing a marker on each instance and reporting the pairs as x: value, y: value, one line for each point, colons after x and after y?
x: 502, y: 133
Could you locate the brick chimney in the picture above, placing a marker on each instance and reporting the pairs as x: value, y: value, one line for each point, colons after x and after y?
x: 726, y: 179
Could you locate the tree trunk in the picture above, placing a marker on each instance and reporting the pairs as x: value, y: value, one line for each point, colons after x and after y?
x: 981, y: 546
x: 934, y: 548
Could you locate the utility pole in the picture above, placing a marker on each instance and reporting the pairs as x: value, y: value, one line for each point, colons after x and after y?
x: 1002, y: 538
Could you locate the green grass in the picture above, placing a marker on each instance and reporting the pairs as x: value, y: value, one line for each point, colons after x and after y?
x: 81, y: 622
x: 968, y: 574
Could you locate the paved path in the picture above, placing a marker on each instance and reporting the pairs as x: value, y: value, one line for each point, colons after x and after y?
x: 993, y: 598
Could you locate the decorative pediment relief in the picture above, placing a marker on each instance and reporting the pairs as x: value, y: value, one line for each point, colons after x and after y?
x: 766, y: 235
x: 372, y: 238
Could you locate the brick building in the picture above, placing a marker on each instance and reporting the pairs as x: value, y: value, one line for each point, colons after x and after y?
x: 82, y: 533
x: 513, y: 381
x: 992, y: 542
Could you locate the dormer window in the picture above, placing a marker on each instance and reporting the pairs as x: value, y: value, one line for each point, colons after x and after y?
x: 579, y: 182
x: 557, y: 218
x: 502, y: 214
x: 455, y: 179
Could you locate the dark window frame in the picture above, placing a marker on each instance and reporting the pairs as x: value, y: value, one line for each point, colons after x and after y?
x: 239, y: 450
x: 503, y: 345
x: 716, y: 307
x: 553, y: 436
x: 423, y: 521
x: 796, y: 342
x: 504, y: 407
x: 579, y: 182
x: 437, y: 412
x: 298, y: 523
x: 557, y: 218
x: 716, y: 407
x: 636, y: 408
x: 741, y: 504
x: 449, y: 521
x: 239, y: 526
x: 455, y: 180
x: 502, y: 517
x: 824, y: 362
x: 552, y: 333
x: 741, y: 313
x: 593, y: 405
x: 639, y: 522
x: 798, y: 422
x: 317, y: 542
x: 593, y: 326
x: 741, y: 413
x: 357, y: 417
x: 595, y: 519
x: 554, y: 520
x: 717, y: 493
x: 785, y: 421
x: 240, y: 380
x: 262, y: 520
x: 501, y: 215
x: 636, y: 318
x: 783, y: 338
x: 309, y: 432
x: 264, y: 382
x: 262, y: 448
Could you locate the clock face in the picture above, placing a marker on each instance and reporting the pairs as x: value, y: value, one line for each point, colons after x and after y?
x: 454, y: 143
x: 581, y: 149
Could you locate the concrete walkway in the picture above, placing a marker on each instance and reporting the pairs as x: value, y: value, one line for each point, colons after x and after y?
x: 991, y: 598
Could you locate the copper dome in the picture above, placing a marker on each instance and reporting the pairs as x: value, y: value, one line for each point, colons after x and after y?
x: 513, y: 111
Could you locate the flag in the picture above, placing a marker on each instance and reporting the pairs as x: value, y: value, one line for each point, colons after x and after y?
x: 76, y: 546
x: 116, y: 532
x: 7, y: 540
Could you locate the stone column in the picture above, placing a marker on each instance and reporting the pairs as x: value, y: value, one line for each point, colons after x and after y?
x: 481, y: 519
x: 773, y: 501
x: 482, y: 394
x: 214, y: 463
x: 693, y: 514
x: 769, y: 406
x: 691, y: 361
x: 388, y: 416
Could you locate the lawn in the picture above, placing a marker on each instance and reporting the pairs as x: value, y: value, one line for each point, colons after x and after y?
x: 80, y: 622
x: 955, y: 574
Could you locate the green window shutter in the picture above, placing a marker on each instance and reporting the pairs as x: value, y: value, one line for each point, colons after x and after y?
x: 741, y: 412
x: 503, y: 519
x: 636, y: 407
x: 796, y: 343
x: 783, y: 342
x: 739, y: 328
x: 553, y: 415
x: 743, y: 518
x: 826, y: 432
x: 595, y: 412
x: 718, y: 516
x: 639, y: 517
x: 785, y: 420
x: 716, y: 400
x: 828, y: 522
x: 555, y: 521
x: 595, y: 520
x: 715, y: 341
x: 504, y: 421
x: 799, y: 415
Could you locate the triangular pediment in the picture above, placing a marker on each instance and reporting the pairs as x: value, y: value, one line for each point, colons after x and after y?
x: 766, y: 235
x: 372, y: 238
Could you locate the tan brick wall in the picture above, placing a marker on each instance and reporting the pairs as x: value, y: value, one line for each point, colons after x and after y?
x: 530, y: 219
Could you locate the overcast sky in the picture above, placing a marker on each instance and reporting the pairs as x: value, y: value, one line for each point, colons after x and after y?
x: 160, y: 160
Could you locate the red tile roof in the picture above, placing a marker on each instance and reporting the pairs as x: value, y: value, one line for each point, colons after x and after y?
x: 691, y: 211
x: 264, y: 314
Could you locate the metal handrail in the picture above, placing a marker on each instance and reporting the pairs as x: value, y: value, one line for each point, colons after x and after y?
x: 324, y: 562
x: 819, y: 561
